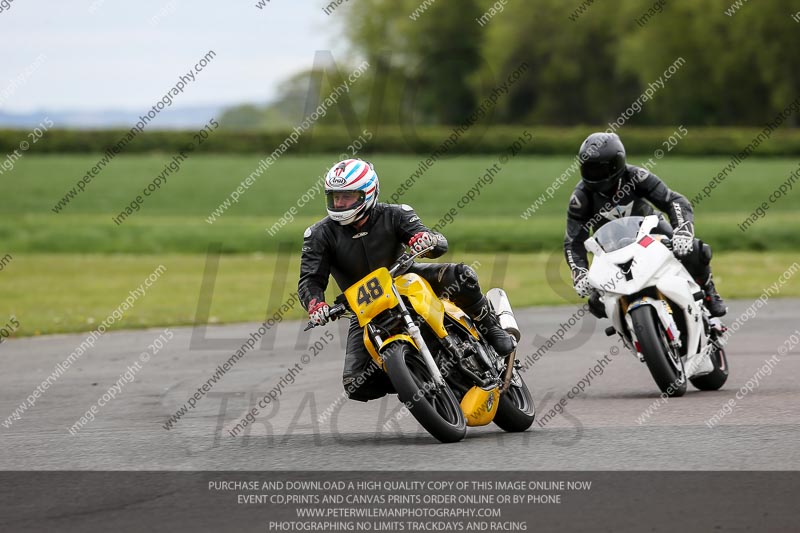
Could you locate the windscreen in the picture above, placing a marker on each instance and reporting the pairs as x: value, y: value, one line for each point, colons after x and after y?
x: 618, y: 233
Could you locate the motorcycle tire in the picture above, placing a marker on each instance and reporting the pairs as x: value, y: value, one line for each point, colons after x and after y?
x: 516, y: 410
x: 656, y: 352
x: 716, y: 378
x: 438, y: 411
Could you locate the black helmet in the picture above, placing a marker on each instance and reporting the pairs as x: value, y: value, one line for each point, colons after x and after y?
x: 602, y: 158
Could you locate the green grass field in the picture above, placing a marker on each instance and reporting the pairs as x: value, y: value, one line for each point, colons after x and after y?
x: 174, y: 218
x: 69, y: 270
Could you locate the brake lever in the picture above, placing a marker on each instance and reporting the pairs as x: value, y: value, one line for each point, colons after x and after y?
x: 422, y: 252
x: 405, y: 261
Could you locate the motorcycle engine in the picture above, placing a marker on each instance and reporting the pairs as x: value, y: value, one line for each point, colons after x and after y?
x: 477, y: 359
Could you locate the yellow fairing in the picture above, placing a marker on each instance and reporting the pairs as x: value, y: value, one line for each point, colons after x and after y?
x: 424, y: 301
x: 459, y: 316
x: 374, y: 353
x: 480, y: 405
x: 371, y: 295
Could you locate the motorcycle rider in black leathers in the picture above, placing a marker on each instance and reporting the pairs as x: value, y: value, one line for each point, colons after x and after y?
x: 611, y: 189
x: 359, y: 235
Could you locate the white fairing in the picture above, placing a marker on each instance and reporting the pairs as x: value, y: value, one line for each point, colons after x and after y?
x: 652, y: 265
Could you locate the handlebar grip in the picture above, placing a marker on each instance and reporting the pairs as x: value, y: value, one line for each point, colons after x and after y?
x: 333, y: 314
x: 336, y: 311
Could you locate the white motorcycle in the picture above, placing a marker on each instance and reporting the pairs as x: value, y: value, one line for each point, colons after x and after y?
x: 656, y: 306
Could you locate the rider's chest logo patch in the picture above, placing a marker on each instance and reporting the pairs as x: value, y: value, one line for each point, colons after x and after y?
x: 359, y: 235
x: 619, y: 211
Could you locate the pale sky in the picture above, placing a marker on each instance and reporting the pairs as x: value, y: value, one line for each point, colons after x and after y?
x: 118, y: 57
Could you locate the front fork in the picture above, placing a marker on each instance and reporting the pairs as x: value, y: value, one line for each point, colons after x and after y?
x: 664, y: 316
x: 415, y: 333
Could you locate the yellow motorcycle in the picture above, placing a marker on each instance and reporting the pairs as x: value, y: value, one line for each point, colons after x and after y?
x: 444, y: 371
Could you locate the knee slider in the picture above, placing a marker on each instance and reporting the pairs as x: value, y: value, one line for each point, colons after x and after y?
x: 347, y: 384
x: 366, y: 391
x: 351, y: 389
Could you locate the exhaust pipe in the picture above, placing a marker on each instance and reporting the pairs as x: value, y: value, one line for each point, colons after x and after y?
x: 502, y: 308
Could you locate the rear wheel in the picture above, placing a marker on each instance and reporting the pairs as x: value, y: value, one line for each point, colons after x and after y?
x: 664, y: 365
x: 717, y: 378
x: 435, y: 407
x: 516, y: 410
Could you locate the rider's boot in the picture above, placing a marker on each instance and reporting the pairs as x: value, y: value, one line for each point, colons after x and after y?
x: 713, y: 301
x: 489, y: 326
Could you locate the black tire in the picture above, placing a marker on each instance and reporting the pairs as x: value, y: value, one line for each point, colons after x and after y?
x: 438, y: 411
x: 717, y: 378
x: 516, y: 410
x: 657, y: 352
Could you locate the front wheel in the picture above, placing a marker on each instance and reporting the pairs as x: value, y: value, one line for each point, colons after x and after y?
x: 435, y: 408
x: 516, y: 410
x: 665, y: 367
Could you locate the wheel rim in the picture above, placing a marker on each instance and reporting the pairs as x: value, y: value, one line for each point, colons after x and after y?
x: 435, y: 396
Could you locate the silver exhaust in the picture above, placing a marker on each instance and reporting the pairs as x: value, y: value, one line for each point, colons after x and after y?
x: 502, y: 308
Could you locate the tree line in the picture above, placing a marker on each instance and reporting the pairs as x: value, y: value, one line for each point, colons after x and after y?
x: 587, y: 62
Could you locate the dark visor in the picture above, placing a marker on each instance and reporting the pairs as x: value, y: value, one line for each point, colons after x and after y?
x: 596, y: 170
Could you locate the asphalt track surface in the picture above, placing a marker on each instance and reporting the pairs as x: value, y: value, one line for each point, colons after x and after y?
x: 600, y: 428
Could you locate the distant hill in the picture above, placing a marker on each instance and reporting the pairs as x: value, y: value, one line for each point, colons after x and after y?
x: 169, y: 118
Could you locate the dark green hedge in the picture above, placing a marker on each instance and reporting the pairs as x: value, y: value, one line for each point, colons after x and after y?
x: 478, y: 139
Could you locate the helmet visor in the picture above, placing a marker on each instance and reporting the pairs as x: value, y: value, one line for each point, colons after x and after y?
x: 596, y: 171
x: 339, y: 201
